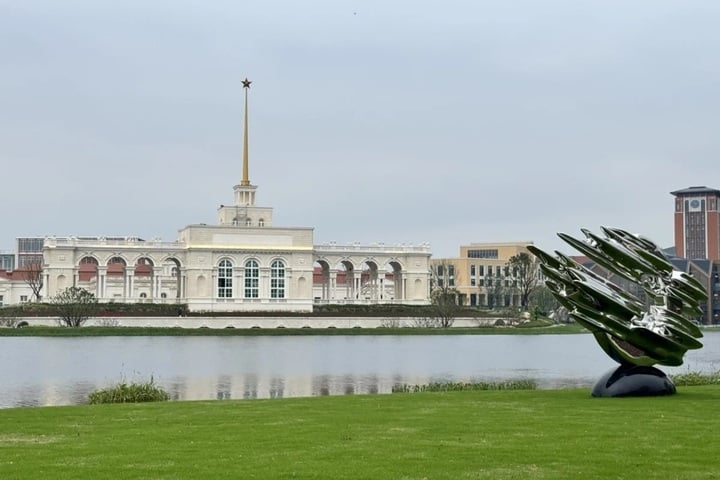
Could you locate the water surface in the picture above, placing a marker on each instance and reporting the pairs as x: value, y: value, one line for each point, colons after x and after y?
x: 62, y: 371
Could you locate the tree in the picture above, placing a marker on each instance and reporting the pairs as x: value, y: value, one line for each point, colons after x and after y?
x: 33, y: 276
x: 444, y: 295
x: 74, y: 306
x: 445, y: 306
x: 543, y: 300
x: 495, y: 290
x: 525, y: 272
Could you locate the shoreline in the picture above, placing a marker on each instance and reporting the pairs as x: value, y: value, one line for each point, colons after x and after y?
x: 348, y: 326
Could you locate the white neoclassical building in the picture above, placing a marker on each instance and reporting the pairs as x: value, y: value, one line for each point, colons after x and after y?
x: 244, y: 263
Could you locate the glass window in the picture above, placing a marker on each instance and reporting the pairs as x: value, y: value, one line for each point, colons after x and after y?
x: 225, y: 272
x: 485, y: 253
x: 252, y: 279
x: 1, y: 300
x: 472, y: 281
x: 261, y: 223
x: 451, y: 270
x: 472, y: 270
x: 277, y: 279
x: 23, y: 298
x: 481, y: 270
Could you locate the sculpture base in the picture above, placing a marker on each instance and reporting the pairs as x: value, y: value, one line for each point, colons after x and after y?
x: 633, y: 381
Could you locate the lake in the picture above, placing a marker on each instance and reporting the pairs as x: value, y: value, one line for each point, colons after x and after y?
x: 63, y: 371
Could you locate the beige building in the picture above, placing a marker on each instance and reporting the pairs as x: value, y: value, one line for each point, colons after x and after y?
x: 244, y: 263
x: 480, y: 274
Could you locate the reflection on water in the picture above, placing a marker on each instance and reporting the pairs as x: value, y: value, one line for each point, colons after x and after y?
x: 60, y: 371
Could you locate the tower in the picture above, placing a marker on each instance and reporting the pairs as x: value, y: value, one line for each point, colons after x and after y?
x: 244, y: 213
x: 697, y: 223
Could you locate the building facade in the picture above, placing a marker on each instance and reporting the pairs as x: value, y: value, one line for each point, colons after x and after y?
x: 243, y: 263
x: 697, y: 223
x: 480, y: 274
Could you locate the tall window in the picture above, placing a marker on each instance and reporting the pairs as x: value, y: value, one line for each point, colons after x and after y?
x: 225, y: 271
x: 252, y: 279
x: 277, y: 279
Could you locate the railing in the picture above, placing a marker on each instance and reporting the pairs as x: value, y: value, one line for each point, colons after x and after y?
x: 376, y: 247
x: 109, y: 241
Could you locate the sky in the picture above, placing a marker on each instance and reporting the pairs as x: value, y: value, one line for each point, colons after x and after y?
x: 449, y: 122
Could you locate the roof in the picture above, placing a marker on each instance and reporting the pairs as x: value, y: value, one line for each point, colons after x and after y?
x: 695, y: 190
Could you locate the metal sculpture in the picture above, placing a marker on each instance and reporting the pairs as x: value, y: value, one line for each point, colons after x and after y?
x: 637, y: 333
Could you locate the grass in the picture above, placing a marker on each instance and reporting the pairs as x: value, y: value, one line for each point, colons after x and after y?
x: 534, y: 434
x: 133, y: 392
x: 159, y: 331
x: 693, y: 379
x: 525, y: 384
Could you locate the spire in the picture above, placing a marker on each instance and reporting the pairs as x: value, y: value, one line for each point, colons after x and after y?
x: 245, y: 177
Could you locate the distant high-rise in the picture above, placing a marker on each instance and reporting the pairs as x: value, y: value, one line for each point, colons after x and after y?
x: 697, y: 223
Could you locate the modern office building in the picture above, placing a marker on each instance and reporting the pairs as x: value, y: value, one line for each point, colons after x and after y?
x: 480, y: 274
x: 29, y: 251
x: 7, y: 261
x: 697, y: 223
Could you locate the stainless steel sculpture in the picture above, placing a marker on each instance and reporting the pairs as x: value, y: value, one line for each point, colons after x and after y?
x: 636, y: 333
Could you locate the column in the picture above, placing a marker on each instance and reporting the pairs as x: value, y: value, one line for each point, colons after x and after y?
x: 156, y: 282
x: 101, y: 275
x: 180, y: 294
x: 333, y: 286
x: 46, y: 286
x: 129, y: 282
x: 264, y: 287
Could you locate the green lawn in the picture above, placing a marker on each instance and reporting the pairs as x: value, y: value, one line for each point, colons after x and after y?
x: 160, y: 331
x: 546, y: 434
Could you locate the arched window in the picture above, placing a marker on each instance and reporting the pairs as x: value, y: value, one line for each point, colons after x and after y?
x: 252, y: 279
x: 225, y: 271
x: 163, y: 295
x: 248, y: 222
x: 261, y: 223
x: 277, y: 279
x: 143, y: 295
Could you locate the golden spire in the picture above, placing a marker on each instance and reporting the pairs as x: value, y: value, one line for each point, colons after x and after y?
x: 245, y: 180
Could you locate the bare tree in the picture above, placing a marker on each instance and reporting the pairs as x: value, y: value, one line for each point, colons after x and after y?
x: 525, y: 272
x: 444, y: 296
x: 74, y: 306
x: 33, y: 276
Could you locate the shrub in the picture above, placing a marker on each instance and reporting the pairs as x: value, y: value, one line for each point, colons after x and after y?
x: 74, y: 306
x: 130, y: 393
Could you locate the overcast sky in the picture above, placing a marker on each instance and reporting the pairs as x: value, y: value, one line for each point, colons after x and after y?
x: 446, y: 122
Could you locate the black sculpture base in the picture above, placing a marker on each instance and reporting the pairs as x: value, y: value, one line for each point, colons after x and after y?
x: 633, y: 381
